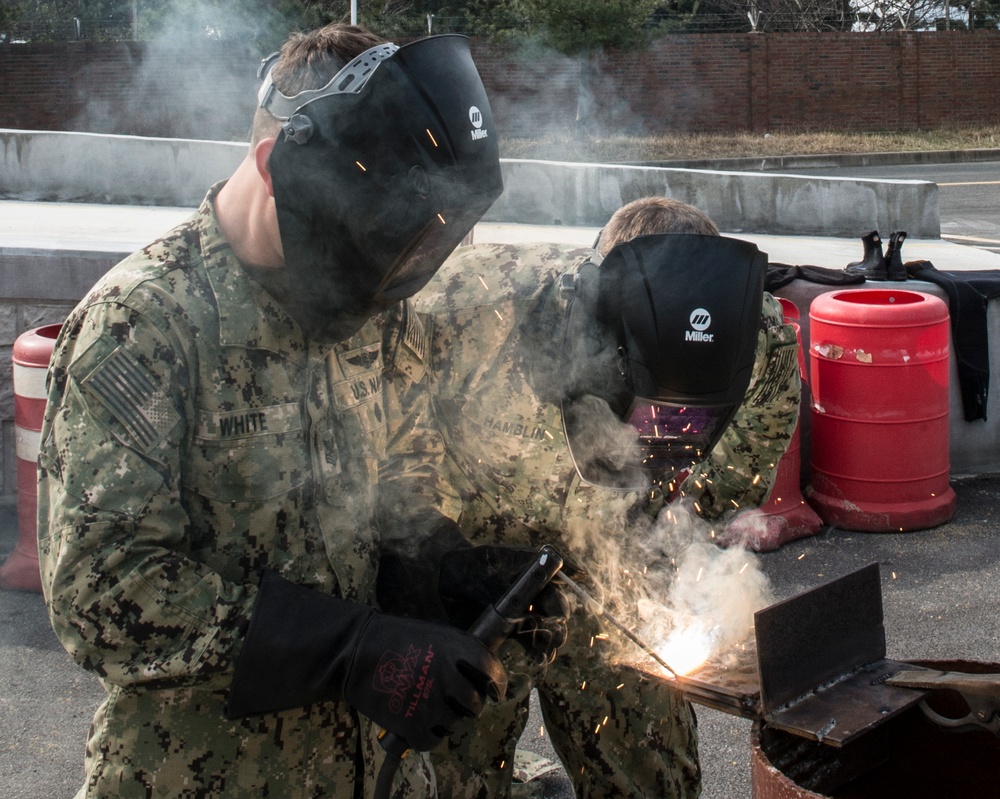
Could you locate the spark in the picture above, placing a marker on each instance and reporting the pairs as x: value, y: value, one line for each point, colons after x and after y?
x: 499, y: 315
x: 801, y: 556
x: 549, y: 435
x: 735, y: 503
x: 604, y: 723
x: 894, y: 575
x: 361, y: 166
x: 745, y: 565
x: 619, y: 686
x: 601, y: 636
x: 483, y: 282
x: 697, y: 507
x: 503, y: 763
x: 597, y: 729
x: 442, y: 219
x: 698, y: 578
x: 541, y: 731
x: 431, y: 136
x: 756, y: 479
x: 583, y: 687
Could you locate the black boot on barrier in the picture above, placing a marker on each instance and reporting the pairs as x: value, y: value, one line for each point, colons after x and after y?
x: 872, y: 257
x: 893, y: 259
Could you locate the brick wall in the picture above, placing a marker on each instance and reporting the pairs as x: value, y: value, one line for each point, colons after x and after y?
x: 133, y: 88
x: 718, y: 82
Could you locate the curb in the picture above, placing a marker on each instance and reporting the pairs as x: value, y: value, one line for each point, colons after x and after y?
x: 772, y: 163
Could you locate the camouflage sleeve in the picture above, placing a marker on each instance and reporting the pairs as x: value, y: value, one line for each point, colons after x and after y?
x: 741, y: 469
x: 413, y: 490
x: 123, y: 598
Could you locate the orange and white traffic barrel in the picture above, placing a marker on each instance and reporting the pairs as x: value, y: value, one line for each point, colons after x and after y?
x: 32, y: 353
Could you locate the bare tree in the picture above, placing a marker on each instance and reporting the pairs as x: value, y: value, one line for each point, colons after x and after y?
x: 791, y: 15
x: 887, y: 15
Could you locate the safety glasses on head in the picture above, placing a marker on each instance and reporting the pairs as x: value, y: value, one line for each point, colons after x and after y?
x: 352, y: 78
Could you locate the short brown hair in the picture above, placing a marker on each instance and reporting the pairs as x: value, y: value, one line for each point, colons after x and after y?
x: 309, y: 61
x: 649, y: 215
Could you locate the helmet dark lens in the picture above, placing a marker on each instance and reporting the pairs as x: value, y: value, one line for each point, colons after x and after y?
x: 675, y: 431
x: 417, y: 266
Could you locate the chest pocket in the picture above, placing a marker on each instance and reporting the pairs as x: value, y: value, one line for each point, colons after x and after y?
x: 248, y: 454
x: 357, y: 398
x: 514, y: 451
x: 350, y: 427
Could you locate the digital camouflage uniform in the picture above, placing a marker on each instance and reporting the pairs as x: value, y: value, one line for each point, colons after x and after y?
x: 193, y: 438
x: 618, y: 733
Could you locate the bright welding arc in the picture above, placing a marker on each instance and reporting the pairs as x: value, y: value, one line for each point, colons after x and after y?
x: 599, y: 609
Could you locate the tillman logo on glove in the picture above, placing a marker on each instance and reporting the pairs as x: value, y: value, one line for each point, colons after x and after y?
x: 406, y: 678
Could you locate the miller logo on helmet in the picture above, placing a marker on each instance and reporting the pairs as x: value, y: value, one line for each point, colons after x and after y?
x: 476, y: 118
x: 700, y: 320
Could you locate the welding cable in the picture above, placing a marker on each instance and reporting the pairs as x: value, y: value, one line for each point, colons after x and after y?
x: 395, y: 750
x: 492, y: 628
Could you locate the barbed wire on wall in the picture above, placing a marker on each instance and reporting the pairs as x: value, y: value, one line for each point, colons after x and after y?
x: 734, y: 16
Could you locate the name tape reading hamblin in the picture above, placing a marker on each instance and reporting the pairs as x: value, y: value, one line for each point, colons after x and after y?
x: 514, y: 428
x: 700, y: 320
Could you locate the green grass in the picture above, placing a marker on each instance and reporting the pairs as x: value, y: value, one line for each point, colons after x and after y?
x: 742, y: 145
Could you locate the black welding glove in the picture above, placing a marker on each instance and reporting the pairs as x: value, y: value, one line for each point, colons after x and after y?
x: 414, y: 678
x: 472, y: 578
x: 407, y: 583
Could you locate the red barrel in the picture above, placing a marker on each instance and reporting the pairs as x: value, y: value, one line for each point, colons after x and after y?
x: 879, y: 371
x: 32, y: 352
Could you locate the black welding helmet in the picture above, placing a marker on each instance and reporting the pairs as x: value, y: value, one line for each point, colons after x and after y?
x: 682, y: 313
x: 378, y: 176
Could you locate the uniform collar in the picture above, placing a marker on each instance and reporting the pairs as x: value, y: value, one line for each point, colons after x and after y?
x: 248, y: 315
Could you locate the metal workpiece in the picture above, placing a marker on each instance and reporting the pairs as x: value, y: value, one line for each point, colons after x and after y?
x: 816, y: 667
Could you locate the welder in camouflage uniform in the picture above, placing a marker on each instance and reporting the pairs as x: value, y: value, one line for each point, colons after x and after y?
x: 494, y: 308
x: 224, y: 407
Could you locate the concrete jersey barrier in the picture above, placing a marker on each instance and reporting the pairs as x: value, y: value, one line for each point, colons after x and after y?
x: 125, y: 170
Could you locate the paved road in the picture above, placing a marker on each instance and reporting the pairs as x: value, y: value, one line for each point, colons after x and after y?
x: 939, y: 585
x: 941, y: 593
x: 969, y: 196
